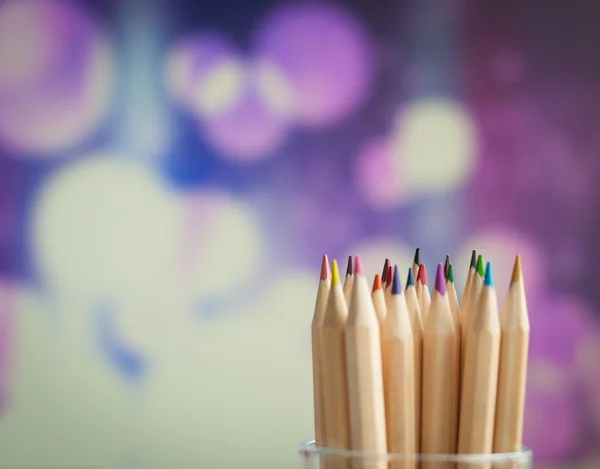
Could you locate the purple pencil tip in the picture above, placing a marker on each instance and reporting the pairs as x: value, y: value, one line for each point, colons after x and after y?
x: 440, y: 280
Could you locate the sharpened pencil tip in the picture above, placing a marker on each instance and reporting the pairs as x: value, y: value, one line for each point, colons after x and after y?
x: 417, y: 259
x: 376, y: 283
x: 446, y: 265
x: 358, y: 270
x: 516, y: 274
x: 480, y: 268
x: 385, y: 271
x: 349, y: 268
x: 325, y: 272
x: 489, y: 279
x: 396, y: 286
x: 440, y: 280
x: 390, y: 276
x: 410, y: 281
x: 473, y: 263
x: 450, y: 276
x: 422, y: 275
x: 335, y: 274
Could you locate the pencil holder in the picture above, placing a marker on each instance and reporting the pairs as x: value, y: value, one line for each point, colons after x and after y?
x: 315, y: 457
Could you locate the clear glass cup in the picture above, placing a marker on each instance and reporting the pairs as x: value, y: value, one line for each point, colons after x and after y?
x: 315, y: 457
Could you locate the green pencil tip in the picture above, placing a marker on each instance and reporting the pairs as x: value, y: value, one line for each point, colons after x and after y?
x: 450, y: 273
x: 480, y: 268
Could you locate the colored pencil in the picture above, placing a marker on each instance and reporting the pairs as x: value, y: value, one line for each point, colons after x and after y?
x: 349, y: 281
x: 423, y: 292
x: 378, y: 300
x: 439, y: 424
x: 384, y: 273
x: 317, y: 348
x: 416, y: 262
x: 467, y: 294
x: 398, y: 376
x: 416, y: 323
x: 453, y: 298
x: 387, y: 292
x: 335, y: 382
x: 365, y: 374
x: 480, y: 374
x: 473, y: 301
x: 514, y: 346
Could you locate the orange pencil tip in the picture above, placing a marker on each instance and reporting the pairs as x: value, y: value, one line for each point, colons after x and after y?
x: 376, y: 283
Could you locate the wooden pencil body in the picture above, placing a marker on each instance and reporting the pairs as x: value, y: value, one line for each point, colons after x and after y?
x: 480, y: 378
x: 471, y: 310
x: 398, y: 381
x: 454, y: 306
x: 317, y: 358
x: 440, y: 380
x: 416, y: 323
x: 512, y: 375
x: 380, y: 306
x: 348, y: 284
x: 424, y: 301
x: 365, y: 376
x: 335, y: 382
x: 464, y: 306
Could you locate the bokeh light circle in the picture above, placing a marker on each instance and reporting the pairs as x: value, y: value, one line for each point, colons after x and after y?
x: 221, y: 244
x: 250, y: 131
x: 378, y: 182
x: 204, y: 72
x: 434, y: 145
x: 500, y: 245
x: 103, y: 227
x: 56, y: 75
x: 326, y: 55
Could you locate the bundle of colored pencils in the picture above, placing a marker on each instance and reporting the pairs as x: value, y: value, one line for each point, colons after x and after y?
x: 400, y: 370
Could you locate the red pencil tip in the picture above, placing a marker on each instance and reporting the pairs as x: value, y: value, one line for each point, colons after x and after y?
x: 390, y: 276
x: 422, y: 275
x: 325, y: 273
x: 358, y: 270
x: 376, y: 283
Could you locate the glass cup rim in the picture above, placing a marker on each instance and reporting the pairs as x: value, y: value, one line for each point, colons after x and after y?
x: 308, y: 448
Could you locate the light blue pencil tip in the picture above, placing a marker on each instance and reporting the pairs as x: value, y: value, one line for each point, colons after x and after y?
x: 489, y: 279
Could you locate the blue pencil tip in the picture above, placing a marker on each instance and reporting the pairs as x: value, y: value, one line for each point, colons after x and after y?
x: 410, y: 281
x: 396, y: 286
x: 489, y: 279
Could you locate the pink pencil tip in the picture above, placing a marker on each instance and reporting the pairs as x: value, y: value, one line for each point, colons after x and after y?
x: 325, y: 272
x: 440, y: 280
x: 358, y: 270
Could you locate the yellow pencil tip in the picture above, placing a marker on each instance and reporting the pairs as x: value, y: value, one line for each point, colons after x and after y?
x: 516, y: 275
x: 335, y: 273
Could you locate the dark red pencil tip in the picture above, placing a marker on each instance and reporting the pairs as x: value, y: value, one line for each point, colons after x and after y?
x: 386, y: 264
x: 349, y: 268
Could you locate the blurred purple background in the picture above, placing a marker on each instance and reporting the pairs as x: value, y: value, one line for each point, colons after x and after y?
x: 172, y: 171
